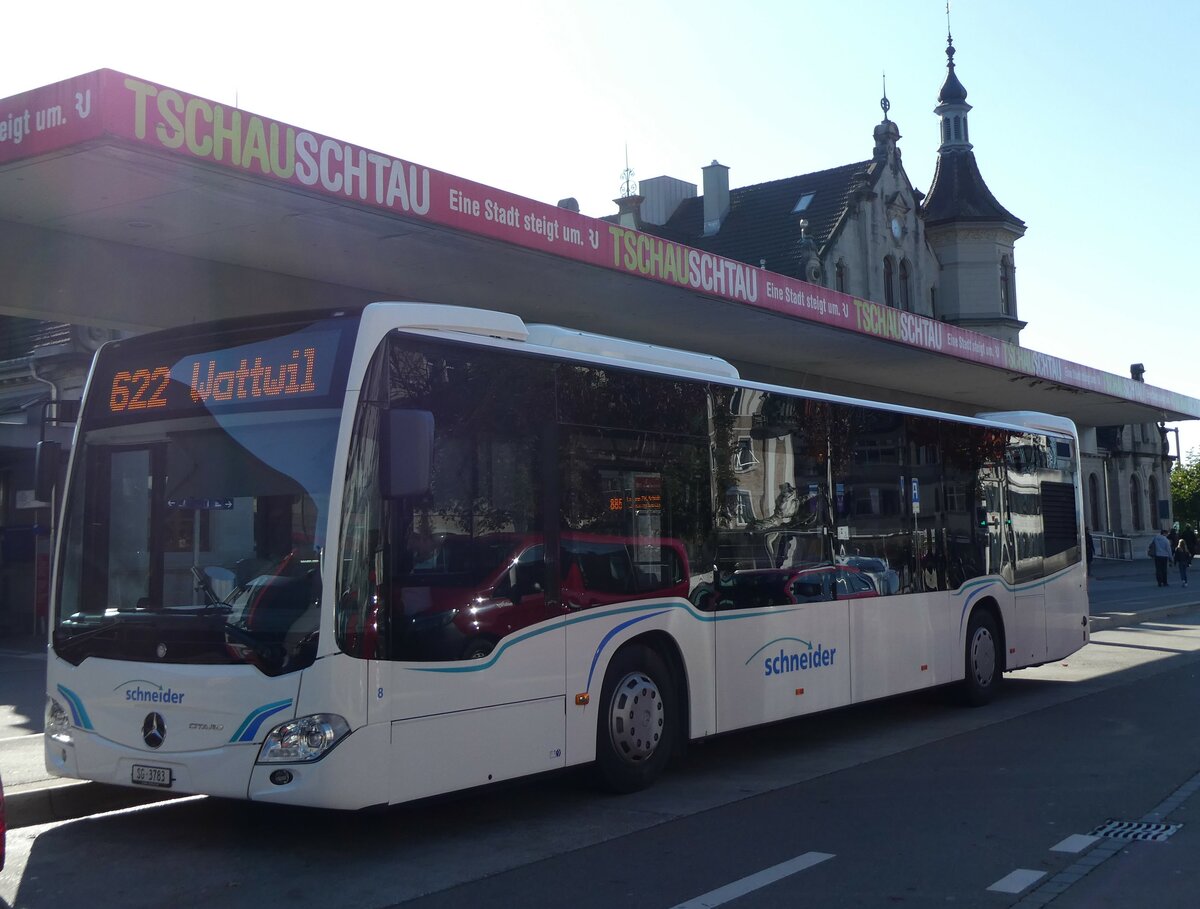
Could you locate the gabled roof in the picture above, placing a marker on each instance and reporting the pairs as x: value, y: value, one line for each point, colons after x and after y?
x: 762, y: 223
x: 958, y: 193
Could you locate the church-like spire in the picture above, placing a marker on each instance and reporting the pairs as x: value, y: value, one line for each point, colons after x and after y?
x: 958, y: 192
x: 953, y: 107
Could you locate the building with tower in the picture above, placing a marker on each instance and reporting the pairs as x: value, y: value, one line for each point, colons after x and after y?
x: 864, y: 229
x: 848, y: 280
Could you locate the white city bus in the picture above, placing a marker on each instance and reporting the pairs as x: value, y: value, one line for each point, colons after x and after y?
x: 356, y: 558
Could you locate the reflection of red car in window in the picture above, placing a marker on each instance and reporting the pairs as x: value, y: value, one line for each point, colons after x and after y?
x: 469, y: 592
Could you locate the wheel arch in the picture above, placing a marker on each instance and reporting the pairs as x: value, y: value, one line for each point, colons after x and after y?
x: 668, y: 649
x: 989, y: 605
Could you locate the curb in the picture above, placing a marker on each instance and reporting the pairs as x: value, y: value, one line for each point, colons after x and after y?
x: 65, y: 801
x: 1122, y: 619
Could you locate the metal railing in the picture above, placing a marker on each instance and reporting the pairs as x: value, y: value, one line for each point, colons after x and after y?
x: 1111, y: 546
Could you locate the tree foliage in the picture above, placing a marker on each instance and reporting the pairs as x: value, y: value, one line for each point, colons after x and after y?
x: 1185, y: 489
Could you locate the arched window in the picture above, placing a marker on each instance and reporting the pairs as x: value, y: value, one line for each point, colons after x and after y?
x: 957, y: 128
x: 1135, y: 502
x: 1094, y: 501
x: 946, y: 129
x: 1007, y: 298
x: 1152, y: 498
x: 841, y: 278
x: 905, y: 290
x: 889, y: 282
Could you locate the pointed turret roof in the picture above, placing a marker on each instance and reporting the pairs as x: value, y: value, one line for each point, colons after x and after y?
x: 958, y: 191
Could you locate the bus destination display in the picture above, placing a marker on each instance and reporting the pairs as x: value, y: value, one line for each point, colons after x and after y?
x: 293, y: 367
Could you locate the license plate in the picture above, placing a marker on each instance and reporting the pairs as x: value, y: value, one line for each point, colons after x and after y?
x: 145, y: 775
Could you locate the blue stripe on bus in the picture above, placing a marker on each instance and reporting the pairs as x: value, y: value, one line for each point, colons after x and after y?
x: 593, y: 616
x: 608, y: 637
x: 978, y: 586
x: 250, y: 725
x: 79, y: 714
x: 971, y: 589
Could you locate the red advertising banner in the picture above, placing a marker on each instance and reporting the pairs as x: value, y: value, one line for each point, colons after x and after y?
x: 111, y: 104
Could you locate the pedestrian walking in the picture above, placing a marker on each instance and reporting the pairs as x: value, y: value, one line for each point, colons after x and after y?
x: 1160, y: 551
x: 1183, y: 558
x: 1091, y: 549
x: 1189, y: 536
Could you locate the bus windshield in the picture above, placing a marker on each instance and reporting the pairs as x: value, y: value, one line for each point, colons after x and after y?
x: 195, y: 525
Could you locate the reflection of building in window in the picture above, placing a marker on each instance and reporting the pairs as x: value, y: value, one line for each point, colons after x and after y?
x: 956, y: 497
x: 744, y: 459
x: 738, y: 508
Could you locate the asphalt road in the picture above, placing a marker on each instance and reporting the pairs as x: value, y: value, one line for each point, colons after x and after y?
x: 911, y: 801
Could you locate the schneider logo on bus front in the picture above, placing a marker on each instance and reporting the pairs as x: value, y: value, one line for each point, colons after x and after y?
x: 155, y: 694
x: 792, y: 658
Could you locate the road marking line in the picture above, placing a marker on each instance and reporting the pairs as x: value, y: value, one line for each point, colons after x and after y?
x: 17, y: 738
x: 1076, y: 842
x: 1017, y: 881
x: 755, y: 881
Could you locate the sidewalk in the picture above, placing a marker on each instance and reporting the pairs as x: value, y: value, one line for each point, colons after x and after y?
x: 1120, y: 593
x: 1126, y: 593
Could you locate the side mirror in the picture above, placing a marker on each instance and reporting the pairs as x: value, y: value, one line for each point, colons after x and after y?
x: 405, y: 453
x: 45, y: 470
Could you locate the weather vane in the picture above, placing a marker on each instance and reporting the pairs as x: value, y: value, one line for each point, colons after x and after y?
x: 627, y: 185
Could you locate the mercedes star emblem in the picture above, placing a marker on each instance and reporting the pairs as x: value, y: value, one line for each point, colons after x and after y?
x: 154, y: 730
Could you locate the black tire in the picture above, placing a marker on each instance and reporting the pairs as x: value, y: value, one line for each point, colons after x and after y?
x: 637, y: 721
x: 984, y: 659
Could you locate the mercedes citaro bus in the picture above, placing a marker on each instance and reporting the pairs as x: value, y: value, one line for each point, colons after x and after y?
x: 355, y: 558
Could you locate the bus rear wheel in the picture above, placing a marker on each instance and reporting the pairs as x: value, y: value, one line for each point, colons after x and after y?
x: 984, y: 660
x: 637, y: 723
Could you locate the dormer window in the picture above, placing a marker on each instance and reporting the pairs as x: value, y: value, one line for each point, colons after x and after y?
x: 803, y: 203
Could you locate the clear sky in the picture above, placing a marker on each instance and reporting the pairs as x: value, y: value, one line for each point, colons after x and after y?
x: 1084, y: 123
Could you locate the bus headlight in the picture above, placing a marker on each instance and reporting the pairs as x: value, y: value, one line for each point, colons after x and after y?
x: 305, y: 738
x: 58, y: 722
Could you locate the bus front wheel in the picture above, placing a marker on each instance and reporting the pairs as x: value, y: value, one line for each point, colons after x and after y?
x: 984, y: 659
x: 637, y: 721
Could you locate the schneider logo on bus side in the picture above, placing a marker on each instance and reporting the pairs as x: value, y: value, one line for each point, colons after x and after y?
x: 793, y: 655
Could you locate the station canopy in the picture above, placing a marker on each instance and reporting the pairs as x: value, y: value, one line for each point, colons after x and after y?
x: 127, y: 204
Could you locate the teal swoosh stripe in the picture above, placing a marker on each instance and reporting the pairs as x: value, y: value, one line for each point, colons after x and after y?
x: 250, y: 725
x: 1012, y: 588
x: 594, y: 616
x: 79, y: 713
